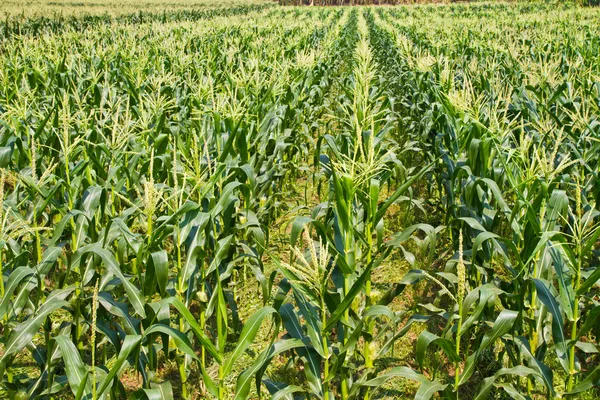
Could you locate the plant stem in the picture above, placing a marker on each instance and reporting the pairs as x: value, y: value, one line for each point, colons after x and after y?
x: 458, y: 334
x: 1, y: 274
x: 370, y: 325
x: 48, y: 353
x: 181, y: 358
x: 572, y: 370
x: 344, y: 385
x: 220, y: 341
x: 325, y: 350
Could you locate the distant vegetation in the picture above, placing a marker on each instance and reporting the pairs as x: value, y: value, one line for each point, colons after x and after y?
x: 49, y: 8
x: 358, y: 2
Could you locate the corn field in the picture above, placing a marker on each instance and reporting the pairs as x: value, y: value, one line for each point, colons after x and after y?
x: 250, y: 201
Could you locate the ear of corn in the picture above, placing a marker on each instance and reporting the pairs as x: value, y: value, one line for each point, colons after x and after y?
x: 249, y: 200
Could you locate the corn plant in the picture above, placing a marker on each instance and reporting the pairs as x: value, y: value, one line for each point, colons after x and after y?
x: 252, y: 201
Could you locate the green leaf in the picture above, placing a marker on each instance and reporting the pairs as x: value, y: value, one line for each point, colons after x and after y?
x: 402, y: 372
x: 488, y: 383
x: 403, y: 188
x: 248, y: 334
x: 226, y: 197
x: 586, y: 347
x: 540, y: 367
x: 297, y: 227
x: 388, y: 345
x: 5, y: 156
x: 291, y: 322
x: 14, y: 280
x: 194, y: 248
x: 75, y: 368
x: 189, y: 318
x: 165, y: 390
x: 376, y: 311
x: 356, y: 288
x: 591, y: 320
x: 374, y: 197
x: 312, y: 321
x: 426, y: 338
x: 82, y: 388
x: 286, y: 392
x: 181, y: 341
x: 591, y: 380
x: 24, y: 332
x: 547, y: 298
x: 589, y: 282
x: 512, y: 391
x: 502, y: 326
x: 161, y: 269
x: 133, y: 293
x: 130, y: 343
x: 120, y: 310
x: 49, y: 258
x: 428, y: 389
x: 245, y: 379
